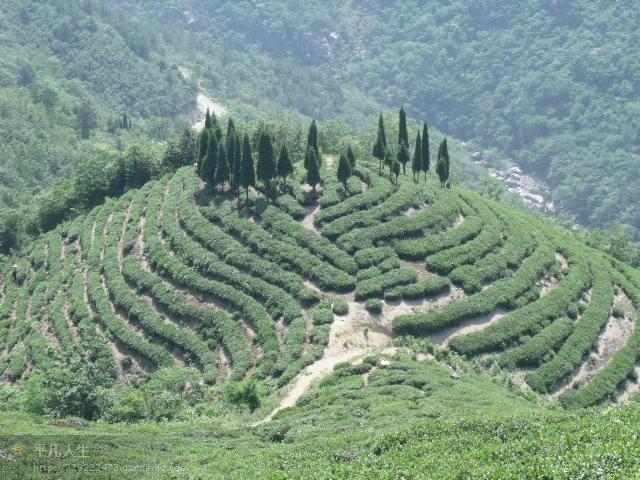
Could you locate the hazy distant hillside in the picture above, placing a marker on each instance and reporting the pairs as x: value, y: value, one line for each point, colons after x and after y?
x: 68, y: 69
x: 551, y: 83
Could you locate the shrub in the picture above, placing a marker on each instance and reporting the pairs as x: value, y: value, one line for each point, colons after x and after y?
x: 373, y: 305
x: 244, y: 393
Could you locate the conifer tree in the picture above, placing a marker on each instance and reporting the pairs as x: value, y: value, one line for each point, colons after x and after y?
x: 237, y: 162
x: 285, y: 166
x: 231, y: 130
x: 426, y: 156
x: 210, y: 161
x: 381, y: 131
x: 222, y: 169
x: 403, y: 134
x: 388, y: 161
x: 312, y: 141
x: 379, y: 151
x: 266, y: 169
x: 207, y: 120
x: 203, y: 143
x: 396, y: 169
x: 230, y: 146
x: 442, y: 165
x: 313, y: 171
x: 344, y: 171
x: 403, y: 156
x: 247, y: 172
x: 351, y: 157
x: 215, y: 126
x: 416, y: 165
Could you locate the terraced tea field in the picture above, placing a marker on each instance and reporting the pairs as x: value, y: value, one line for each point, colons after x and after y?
x: 172, y: 274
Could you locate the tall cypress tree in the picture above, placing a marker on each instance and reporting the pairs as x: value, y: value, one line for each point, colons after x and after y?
x: 312, y: 141
x: 388, y: 161
x: 203, y: 143
x: 396, y: 169
x: 231, y: 130
x: 247, y: 172
x: 445, y: 154
x: 285, y: 166
x: 442, y: 165
x: 231, y: 152
x: 379, y: 151
x: 266, y: 161
x: 237, y: 162
x: 313, y: 171
x: 351, y: 157
x: 416, y: 165
x: 215, y: 126
x: 426, y: 155
x: 403, y: 134
x: 344, y: 171
x: 222, y: 169
x: 210, y: 161
x: 207, y: 120
x: 403, y: 156
x: 381, y: 132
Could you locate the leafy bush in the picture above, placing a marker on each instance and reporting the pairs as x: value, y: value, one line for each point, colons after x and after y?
x: 244, y: 393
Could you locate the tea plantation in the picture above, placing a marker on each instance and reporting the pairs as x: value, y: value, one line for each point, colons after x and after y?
x: 257, y: 296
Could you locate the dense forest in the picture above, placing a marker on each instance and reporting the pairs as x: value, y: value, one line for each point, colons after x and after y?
x: 69, y: 73
x: 72, y: 70
x: 550, y: 83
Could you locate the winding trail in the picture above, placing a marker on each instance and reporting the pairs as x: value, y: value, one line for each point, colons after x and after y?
x: 351, y: 338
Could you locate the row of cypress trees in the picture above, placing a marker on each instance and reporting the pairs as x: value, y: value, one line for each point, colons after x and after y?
x: 394, y: 155
x: 229, y: 160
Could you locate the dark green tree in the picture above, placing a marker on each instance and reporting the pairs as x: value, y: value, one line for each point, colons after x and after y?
x: 86, y: 118
x: 215, y: 126
x: 207, y: 120
x: 285, y: 166
x: 344, y: 171
x: 381, y: 131
x: 403, y: 134
x: 266, y: 169
x: 442, y: 165
x: 222, y: 169
x: 237, y: 163
x: 210, y: 161
x: 312, y: 141
x: 416, y: 164
x: 379, y: 151
x: 388, y: 161
x: 203, y: 143
x: 351, y: 157
x: 230, y: 138
x: 426, y: 156
x: 247, y: 172
x: 231, y: 152
x: 181, y: 153
x: 313, y: 171
x: 403, y: 156
x: 396, y: 169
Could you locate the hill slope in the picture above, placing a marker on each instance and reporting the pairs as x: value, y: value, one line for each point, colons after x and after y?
x: 543, y: 82
x: 171, y: 275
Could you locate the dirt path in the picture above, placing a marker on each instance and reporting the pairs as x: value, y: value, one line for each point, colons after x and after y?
x: 352, y: 337
x: 309, y: 216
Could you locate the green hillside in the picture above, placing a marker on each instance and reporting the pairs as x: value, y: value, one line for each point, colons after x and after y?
x: 188, y: 299
x: 552, y: 84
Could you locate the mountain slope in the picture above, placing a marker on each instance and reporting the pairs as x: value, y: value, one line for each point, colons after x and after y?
x: 543, y: 82
x: 170, y: 275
